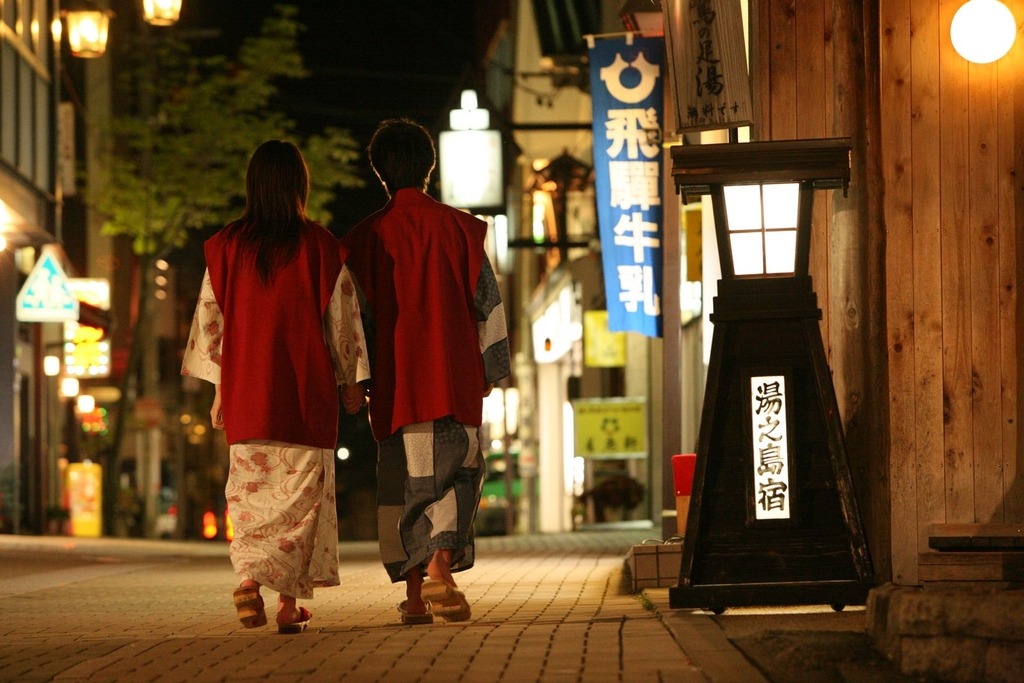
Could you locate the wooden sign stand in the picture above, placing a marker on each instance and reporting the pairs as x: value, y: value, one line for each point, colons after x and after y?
x: 730, y: 558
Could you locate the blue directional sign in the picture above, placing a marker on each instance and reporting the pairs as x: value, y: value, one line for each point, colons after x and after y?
x: 46, y: 297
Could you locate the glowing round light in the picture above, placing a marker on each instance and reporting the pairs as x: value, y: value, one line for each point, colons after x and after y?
x: 344, y: 453
x: 51, y: 366
x: 69, y: 387
x: 86, y: 403
x: 982, y: 31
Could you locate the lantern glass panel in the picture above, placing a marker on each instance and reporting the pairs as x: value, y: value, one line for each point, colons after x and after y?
x: 743, y: 207
x: 780, y: 251
x: 780, y: 205
x: 747, y: 253
x: 762, y: 227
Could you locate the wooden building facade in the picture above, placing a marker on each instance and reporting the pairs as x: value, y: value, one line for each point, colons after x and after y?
x: 917, y: 269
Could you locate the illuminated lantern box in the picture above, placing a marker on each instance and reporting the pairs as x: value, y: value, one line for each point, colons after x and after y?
x: 772, y: 516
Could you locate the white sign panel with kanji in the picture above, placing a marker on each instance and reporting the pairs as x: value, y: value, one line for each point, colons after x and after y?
x: 770, y: 447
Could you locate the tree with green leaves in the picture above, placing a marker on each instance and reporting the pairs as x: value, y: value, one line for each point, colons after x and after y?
x: 177, y: 154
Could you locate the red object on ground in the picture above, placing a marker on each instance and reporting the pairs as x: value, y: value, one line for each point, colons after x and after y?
x: 682, y: 471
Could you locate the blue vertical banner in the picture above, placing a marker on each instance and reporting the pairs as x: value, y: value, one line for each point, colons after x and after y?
x: 626, y: 87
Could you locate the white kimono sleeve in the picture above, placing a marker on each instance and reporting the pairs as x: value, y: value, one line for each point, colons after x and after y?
x: 203, y: 351
x: 344, y: 330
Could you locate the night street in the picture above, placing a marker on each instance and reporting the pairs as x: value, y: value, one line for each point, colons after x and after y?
x: 546, y: 608
x: 693, y: 329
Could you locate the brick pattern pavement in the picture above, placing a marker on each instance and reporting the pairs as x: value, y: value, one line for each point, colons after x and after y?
x: 545, y: 608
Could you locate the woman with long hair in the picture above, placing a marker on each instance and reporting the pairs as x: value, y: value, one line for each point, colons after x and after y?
x: 277, y: 330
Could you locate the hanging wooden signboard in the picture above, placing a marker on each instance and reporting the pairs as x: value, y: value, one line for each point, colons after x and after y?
x: 707, y: 61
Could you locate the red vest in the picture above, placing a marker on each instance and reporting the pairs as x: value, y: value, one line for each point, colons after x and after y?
x: 277, y: 377
x: 418, y: 262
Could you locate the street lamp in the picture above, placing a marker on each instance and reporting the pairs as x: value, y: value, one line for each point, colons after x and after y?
x: 89, y: 26
x: 161, y: 12
x: 762, y: 196
x: 87, y: 30
x: 772, y: 516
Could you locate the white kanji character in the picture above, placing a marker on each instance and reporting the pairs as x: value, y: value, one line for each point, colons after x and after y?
x: 634, y: 183
x: 630, y: 232
x: 630, y: 128
x: 636, y: 284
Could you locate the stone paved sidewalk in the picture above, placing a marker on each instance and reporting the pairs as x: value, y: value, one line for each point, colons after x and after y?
x: 545, y: 608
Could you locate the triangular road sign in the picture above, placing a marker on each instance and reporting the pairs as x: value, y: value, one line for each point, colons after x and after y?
x: 46, y: 297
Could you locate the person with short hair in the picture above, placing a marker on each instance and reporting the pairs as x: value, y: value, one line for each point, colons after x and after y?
x: 277, y: 329
x: 439, y: 344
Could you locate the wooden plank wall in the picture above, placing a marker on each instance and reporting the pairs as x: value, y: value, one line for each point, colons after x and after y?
x: 792, y: 78
x: 949, y: 134
x: 945, y: 172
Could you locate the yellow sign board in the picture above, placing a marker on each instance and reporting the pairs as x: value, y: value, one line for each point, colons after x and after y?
x: 602, y: 348
x: 84, y: 490
x: 610, y: 427
x: 86, y: 349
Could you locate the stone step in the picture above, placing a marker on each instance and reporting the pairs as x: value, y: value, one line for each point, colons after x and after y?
x: 952, y: 634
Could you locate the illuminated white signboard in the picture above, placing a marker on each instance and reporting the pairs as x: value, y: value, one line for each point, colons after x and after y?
x: 471, y: 168
x: 770, y: 447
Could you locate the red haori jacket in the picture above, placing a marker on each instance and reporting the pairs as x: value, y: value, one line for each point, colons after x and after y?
x: 277, y: 378
x: 417, y: 262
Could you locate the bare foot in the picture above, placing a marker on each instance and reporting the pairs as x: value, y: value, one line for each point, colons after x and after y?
x: 413, y: 585
x: 412, y: 606
x: 287, y: 611
x: 440, y: 567
x: 296, y: 615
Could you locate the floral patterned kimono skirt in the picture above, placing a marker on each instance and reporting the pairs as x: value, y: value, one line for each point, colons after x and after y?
x: 281, y: 501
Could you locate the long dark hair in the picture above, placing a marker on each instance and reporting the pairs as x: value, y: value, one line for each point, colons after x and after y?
x: 276, y: 193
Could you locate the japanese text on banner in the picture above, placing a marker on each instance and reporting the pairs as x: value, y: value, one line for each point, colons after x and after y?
x: 626, y: 88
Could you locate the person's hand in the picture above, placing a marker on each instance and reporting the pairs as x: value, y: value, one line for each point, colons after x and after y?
x: 353, y: 397
x: 216, y: 414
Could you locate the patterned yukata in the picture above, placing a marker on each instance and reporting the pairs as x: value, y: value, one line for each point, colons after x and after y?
x: 281, y: 495
x: 439, y: 336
